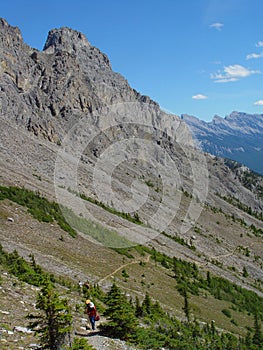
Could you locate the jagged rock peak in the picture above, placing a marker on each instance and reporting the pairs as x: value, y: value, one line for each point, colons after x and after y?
x: 65, y: 39
x: 8, y: 32
x: 3, y: 23
x: 73, y: 42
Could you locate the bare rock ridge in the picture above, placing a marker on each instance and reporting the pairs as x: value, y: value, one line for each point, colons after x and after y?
x: 70, y: 88
x: 68, y: 95
x: 238, y: 136
x: 13, y: 35
x: 65, y: 39
x: 70, y: 77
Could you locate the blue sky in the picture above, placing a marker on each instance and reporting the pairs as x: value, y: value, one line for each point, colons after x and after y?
x: 200, y: 57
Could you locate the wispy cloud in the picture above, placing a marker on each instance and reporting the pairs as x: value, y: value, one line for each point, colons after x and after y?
x: 259, y: 44
x: 259, y: 103
x: 254, y: 55
x: 217, y: 25
x: 232, y: 73
x: 199, y: 97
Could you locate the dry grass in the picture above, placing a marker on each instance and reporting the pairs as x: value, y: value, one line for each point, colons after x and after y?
x: 81, y: 259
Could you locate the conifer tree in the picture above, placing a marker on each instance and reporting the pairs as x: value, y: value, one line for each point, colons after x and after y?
x: 213, y: 328
x: 122, y: 322
x: 208, y: 279
x: 53, y: 323
x: 257, y: 337
x: 81, y: 344
x: 147, y: 304
x: 175, y: 268
x: 154, y: 255
x: 244, y: 273
x: 186, y: 307
x: 138, y: 308
x: 248, y: 340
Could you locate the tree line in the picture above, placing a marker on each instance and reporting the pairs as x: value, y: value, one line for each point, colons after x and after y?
x: 141, y: 322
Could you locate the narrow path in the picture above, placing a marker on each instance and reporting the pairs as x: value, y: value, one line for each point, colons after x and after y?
x: 236, y: 248
x: 225, y: 255
x: 124, y: 265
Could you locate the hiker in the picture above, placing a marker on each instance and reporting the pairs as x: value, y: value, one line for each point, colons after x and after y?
x: 86, y: 285
x: 92, y: 313
x: 86, y: 289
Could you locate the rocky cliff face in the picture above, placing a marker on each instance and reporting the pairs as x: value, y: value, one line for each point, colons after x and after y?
x: 69, y: 118
x: 238, y: 136
x: 48, y: 91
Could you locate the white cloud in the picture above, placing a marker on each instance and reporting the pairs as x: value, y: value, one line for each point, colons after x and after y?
x: 259, y: 44
x: 232, y: 73
x: 199, y: 97
x: 259, y: 103
x: 254, y: 55
x: 218, y: 26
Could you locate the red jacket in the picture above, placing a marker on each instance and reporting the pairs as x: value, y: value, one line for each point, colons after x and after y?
x: 91, y: 311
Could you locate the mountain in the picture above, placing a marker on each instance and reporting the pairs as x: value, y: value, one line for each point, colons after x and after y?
x: 238, y: 136
x: 128, y: 180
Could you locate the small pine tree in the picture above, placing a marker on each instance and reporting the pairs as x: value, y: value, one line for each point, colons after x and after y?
x: 138, y: 308
x: 208, y: 279
x: 175, y: 268
x: 147, y: 305
x: 164, y: 262
x: 81, y: 344
x: 213, y: 328
x: 248, y: 340
x: 245, y: 273
x: 137, y: 217
x: 257, y: 337
x: 53, y: 323
x: 186, y: 307
x: 122, y: 322
x: 37, y: 269
x: 154, y: 256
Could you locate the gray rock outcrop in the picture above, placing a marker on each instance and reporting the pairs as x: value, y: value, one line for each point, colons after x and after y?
x: 68, y: 116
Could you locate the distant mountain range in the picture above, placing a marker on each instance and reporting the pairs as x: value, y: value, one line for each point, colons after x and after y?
x: 238, y: 136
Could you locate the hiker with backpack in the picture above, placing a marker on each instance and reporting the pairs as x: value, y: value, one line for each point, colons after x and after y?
x: 92, y: 313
